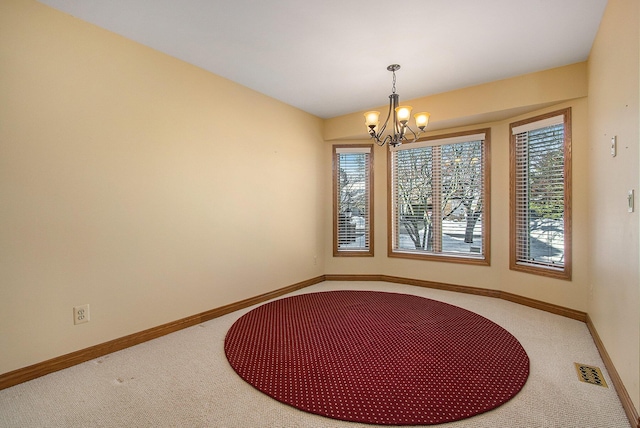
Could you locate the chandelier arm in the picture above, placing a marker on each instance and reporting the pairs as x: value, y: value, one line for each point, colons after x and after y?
x: 375, y: 138
x: 388, y: 116
x: 415, y: 136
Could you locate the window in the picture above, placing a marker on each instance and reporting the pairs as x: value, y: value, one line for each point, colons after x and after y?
x: 440, y: 198
x: 540, y: 231
x: 352, y: 200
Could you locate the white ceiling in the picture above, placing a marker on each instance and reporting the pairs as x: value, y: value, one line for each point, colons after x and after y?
x: 329, y: 57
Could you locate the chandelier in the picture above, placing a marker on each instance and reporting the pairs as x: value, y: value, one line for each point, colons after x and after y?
x: 401, y: 116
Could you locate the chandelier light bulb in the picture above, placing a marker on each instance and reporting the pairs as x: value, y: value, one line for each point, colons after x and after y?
x: 371, y: 119
x: 422, y: 120
x: 403, y: 114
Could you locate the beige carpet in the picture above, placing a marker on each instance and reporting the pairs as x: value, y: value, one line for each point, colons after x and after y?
x: 184, y: 380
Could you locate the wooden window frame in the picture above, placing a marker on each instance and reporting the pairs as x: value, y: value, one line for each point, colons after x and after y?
x: 485, y: 258
x: 531, y: 268
x: 337, y: 251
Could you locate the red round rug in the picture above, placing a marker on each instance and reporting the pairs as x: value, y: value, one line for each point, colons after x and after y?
x: 377, y: 358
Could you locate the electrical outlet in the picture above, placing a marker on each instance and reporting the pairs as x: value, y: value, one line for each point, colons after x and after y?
x: 81, y: 314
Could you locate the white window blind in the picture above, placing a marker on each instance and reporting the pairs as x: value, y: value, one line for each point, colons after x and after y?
x: 539, y: 124
x: 438, y: 197
x: 540, y: 193
x: 353, y: 199
x: 440, y: 142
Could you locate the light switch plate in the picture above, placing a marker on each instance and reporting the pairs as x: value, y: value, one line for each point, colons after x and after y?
x: 630, y: 200
x: 614, y: 146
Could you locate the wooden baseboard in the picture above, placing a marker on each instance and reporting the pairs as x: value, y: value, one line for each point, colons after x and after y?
x: 442, y: 286
x: 65, y: 361
x: 623, y: 394
x: 544, y: 306
x: 536, y: 304
x: 415, y: 282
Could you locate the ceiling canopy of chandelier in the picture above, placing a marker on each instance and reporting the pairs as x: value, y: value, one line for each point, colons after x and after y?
x: 401, y: 116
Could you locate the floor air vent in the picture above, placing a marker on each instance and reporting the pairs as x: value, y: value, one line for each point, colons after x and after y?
x: 590, y: 374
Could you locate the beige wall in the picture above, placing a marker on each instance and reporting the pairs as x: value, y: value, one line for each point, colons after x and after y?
x: 614, y: 73
x: 129, y: 181
x: 563, y: 87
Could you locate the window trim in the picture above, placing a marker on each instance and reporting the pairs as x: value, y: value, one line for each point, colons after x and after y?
x: 337, y: 252
x: 548, y: 271
x: 486, y: 215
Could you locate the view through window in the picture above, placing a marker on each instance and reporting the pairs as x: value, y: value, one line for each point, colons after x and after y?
x: 540, y: 195
x: 353, y: 182
x: 439, y: 198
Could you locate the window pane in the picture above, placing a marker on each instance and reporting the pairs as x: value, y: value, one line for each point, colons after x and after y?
x: 541, y: 195
x: 462, y: 197
x: 540, y: 187
x: 352, y: 205
x: 414, y: 199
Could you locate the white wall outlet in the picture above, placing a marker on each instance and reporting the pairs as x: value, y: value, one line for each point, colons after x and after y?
x: 81, y: 314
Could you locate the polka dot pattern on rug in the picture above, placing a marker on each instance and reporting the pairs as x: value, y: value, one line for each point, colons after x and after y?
x: 378, y: 358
